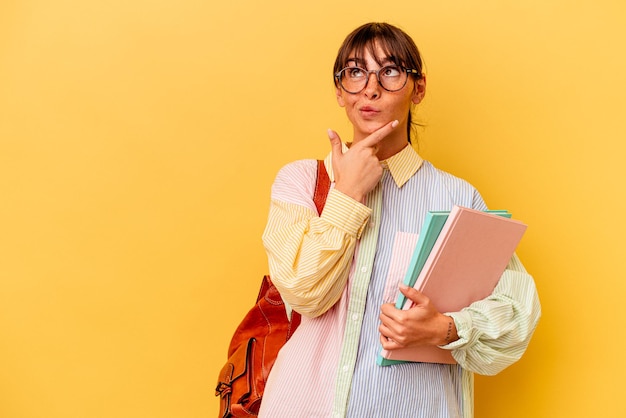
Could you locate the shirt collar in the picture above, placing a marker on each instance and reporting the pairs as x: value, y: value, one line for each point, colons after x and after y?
x: 401, y: 165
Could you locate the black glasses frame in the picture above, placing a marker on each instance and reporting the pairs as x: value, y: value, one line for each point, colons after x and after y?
x: 377, y: 72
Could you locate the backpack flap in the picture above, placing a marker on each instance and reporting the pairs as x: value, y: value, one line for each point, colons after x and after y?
x: 234, y: 377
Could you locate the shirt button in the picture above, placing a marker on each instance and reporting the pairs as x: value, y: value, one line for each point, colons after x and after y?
x: 363, y: 269
x: 346, y: 368
x: 355, y: 317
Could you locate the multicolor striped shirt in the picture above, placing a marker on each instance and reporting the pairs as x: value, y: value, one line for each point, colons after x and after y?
x: 337, y: 269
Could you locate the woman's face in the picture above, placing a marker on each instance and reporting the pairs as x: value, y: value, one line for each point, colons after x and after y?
x: 374, y: 107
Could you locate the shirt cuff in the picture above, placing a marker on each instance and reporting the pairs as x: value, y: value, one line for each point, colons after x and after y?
x: 345, y: 213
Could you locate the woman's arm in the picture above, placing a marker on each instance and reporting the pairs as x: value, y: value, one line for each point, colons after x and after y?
x: 309, y: 255
x: 494, y: 332
x: 486, y: 337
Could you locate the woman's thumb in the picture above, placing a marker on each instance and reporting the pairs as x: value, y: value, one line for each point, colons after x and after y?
x: 335, y: 142
x: 413, y: 294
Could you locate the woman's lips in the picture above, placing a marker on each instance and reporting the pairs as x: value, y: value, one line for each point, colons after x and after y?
x: 368, y: 111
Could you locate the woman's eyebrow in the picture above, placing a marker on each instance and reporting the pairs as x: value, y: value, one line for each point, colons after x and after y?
x: 356, y: 61
x: 389, y: 60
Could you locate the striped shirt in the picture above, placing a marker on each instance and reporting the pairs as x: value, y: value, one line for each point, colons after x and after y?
x: 338, y: 268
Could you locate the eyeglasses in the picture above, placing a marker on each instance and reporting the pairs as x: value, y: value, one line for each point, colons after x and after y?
x: 391, y: 77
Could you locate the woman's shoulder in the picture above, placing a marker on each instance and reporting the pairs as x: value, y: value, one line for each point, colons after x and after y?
x: 295, y: 181
x: 457, y: 189
x: 298, y: 168
x: 299, y: 172
x: 446, y: 177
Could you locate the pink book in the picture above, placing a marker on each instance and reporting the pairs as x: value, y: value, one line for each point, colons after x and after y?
x: 464, y: 266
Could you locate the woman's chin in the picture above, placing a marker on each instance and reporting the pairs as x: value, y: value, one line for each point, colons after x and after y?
x: 368, y: 128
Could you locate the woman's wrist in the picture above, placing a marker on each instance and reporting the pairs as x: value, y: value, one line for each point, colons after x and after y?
x: 448, y: 331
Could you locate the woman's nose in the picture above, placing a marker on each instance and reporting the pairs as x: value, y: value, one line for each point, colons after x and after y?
x: 372, y: 89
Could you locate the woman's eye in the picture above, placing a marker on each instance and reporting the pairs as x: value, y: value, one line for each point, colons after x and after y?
x: 391, y: 71
x: 356, y: 72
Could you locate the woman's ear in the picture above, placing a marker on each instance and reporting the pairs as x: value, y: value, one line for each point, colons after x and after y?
x: 339, y: 94
x: 419, y: 90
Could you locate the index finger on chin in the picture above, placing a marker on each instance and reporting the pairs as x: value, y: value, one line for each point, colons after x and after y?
x: 379, y: 134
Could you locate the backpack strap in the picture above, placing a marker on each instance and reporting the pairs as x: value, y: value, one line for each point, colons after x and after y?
x: 322, y: 186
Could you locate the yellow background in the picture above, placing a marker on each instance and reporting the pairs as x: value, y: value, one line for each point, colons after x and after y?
x: 139, y: 139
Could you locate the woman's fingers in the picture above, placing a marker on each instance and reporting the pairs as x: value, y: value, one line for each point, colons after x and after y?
x: 358, y: 171
x: 373, y: 139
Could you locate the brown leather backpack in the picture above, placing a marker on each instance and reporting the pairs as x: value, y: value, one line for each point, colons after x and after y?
x: 258, y: 338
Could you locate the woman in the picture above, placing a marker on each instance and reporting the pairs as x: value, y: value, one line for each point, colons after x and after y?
x: 333, y: 268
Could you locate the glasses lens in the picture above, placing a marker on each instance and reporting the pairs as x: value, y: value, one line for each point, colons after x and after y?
x: 353, y: 79
x: 392, y: 77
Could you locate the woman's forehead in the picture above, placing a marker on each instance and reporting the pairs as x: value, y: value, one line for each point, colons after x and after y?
x: 376, y: 49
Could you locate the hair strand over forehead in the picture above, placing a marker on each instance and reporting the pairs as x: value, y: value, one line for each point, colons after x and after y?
x: 395, y: 44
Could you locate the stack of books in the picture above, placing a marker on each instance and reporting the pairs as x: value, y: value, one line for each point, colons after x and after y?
x: 458, y: 259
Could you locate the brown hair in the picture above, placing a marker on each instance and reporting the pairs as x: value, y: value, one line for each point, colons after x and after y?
x: 395, y: 43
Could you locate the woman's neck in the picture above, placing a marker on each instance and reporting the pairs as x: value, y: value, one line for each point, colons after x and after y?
x: 392, y: 144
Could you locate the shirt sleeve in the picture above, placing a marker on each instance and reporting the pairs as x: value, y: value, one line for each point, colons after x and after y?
x: 495, y: 332
x: 309, y: 255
